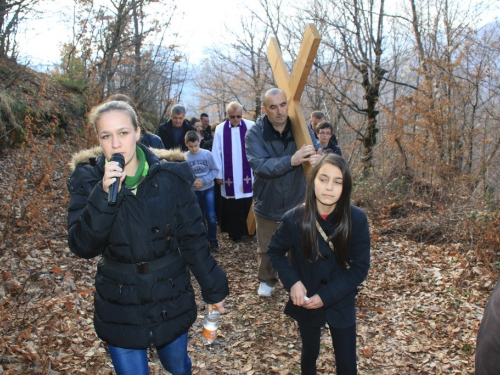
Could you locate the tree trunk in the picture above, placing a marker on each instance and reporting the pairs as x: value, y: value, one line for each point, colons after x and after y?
x: 114, y: 42
x: 137, y: 52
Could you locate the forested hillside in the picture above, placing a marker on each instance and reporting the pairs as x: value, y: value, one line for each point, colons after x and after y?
x: 434, y: 263
x: 413, y: 94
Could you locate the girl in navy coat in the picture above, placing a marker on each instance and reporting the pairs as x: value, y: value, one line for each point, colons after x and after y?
x: 148, y: 241
x: 329, y: 246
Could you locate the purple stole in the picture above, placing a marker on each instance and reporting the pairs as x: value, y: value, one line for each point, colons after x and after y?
x: 228, y: 160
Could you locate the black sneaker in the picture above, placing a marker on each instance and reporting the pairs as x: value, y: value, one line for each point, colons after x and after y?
x: 214, y: 246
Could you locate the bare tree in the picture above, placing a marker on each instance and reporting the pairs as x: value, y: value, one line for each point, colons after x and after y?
x: 137, y: 17
x: 350, y: 53
x: 12, y: 13
x: 453, y: 65
x: 354, y: 30
x: 238, y: 70
x: 124, y: 48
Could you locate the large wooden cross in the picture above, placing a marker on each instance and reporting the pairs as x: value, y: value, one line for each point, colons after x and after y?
x: 293, y: 86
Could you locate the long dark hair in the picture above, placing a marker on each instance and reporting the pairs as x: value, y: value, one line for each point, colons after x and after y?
x: 341, y: 219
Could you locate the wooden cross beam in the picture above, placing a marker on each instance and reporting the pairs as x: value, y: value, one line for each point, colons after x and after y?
x: 293, y: 86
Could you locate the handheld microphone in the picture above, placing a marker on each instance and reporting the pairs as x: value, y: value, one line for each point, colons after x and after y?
x: 113, y: 188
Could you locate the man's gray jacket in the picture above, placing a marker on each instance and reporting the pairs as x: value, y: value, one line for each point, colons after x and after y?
x: 278, y: 187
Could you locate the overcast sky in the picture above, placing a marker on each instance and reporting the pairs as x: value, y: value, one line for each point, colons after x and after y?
x: 199, y: 23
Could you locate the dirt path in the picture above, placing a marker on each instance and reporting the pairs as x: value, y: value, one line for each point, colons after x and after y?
x: 418, y: 313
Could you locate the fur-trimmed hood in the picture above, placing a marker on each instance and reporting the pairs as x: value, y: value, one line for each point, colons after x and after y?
x: 84, y: 156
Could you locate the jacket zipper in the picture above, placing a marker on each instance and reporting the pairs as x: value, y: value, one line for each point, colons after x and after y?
x: 151, y: 339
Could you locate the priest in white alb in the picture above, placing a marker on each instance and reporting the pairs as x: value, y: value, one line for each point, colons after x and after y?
x: 235, y: 175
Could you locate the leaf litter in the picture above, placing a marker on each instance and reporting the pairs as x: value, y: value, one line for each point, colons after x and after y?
x: 418, y: 312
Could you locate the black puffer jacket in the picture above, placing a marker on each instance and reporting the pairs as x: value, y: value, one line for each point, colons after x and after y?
x: 163, y: 219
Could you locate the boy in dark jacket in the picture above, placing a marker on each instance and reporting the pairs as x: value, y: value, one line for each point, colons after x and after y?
x: 327, y: 139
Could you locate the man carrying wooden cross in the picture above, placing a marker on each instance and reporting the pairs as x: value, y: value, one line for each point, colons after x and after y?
x: 279, y: 180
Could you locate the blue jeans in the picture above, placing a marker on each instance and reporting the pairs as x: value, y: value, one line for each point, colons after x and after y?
x: 174, y: 358
x: 207, y: 205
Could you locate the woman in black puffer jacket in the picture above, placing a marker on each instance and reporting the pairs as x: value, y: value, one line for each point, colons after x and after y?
x: 149, y: 241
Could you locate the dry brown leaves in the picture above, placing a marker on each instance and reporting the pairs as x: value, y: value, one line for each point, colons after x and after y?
x: 418, y: 311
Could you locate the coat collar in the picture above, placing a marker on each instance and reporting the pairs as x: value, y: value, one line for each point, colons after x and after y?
x: 186, y: 125
x: 269, y: 134
x: 153, y: 155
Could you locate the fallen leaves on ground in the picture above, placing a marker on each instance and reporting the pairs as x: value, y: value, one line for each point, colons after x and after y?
x: 418, y: 312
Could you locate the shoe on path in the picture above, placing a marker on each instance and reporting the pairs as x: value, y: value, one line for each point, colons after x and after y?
x: 265, y: 290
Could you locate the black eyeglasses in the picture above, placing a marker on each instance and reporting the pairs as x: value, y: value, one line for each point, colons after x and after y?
x: 236, y: 116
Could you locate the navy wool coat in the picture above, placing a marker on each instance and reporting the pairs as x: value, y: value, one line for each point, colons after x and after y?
x: 336, y: 286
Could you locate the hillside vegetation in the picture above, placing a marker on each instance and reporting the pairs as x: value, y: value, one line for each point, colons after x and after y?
x: 434, y: 262
x: 30, y: 97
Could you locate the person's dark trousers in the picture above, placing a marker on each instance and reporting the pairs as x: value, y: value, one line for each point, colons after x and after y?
x: 234, y: 216
x: 344, y: 346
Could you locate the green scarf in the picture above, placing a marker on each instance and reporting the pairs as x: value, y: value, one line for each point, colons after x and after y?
x: 142, y: 170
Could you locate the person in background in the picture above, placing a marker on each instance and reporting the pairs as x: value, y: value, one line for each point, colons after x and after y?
x: 173, y: 131
x: 205, y: 170
x: 149, y: 243
x: 207, y: 145
x: 196, y: 123
x: 217, y: 195
x: 487, y: 360
x: 279, y: 181
x: 321, y: 251
x: 148, y: 139
x: 205, y: 127
x: 235, y: 176
x: 324, y: 132
x: 316, y: 118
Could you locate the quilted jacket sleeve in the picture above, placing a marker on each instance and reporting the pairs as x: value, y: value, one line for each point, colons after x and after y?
x: 193, y: 244
x: 90, y: 218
